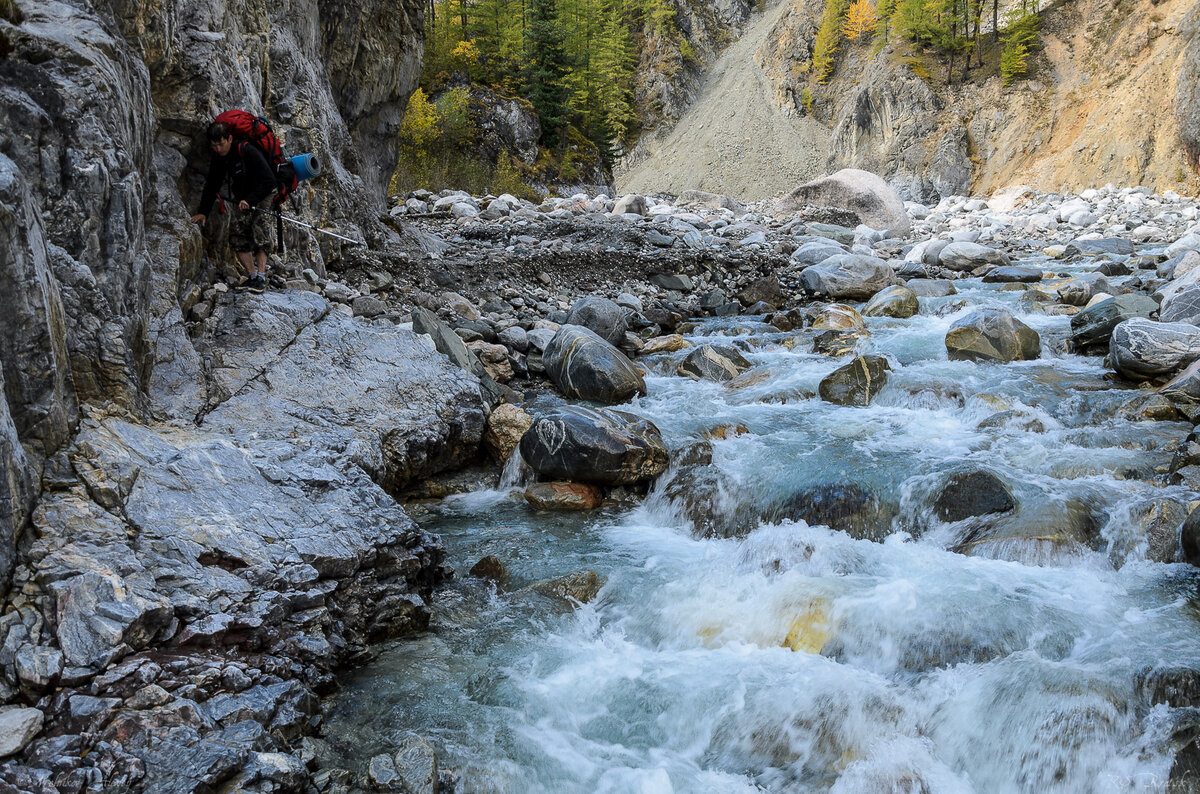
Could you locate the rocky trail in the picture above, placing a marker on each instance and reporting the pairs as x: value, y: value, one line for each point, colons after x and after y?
x: 733, y: 139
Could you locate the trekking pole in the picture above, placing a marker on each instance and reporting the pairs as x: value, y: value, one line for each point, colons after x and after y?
x: 308, y: 226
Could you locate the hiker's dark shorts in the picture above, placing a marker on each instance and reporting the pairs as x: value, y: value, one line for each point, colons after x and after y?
x: 251, y: 231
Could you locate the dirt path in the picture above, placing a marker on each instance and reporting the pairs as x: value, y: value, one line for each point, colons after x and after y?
x: 733, y: 140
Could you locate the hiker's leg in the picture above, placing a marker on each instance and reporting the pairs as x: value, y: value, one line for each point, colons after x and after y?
x: 247, y: 260
x: 260, y: 258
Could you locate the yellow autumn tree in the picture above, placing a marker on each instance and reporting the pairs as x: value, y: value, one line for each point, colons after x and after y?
x: 860, y: 20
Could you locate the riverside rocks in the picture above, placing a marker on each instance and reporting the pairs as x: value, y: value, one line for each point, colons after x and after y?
x: 707, y: 363
x: 992, y: 335
x: 601, y: 316
x: 1142, y: 349
x: 897, y: 301
x: 586, y: 367
x: 599, y: 446
x: 1094, y: 325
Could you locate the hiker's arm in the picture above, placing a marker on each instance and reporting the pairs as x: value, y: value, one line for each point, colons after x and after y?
x: 262, y: 178
x: 216, y: 176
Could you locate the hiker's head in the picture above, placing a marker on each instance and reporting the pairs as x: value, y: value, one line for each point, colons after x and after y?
x: 220, y: 137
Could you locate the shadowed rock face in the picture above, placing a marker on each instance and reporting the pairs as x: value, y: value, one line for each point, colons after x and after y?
x: 1187, y: 96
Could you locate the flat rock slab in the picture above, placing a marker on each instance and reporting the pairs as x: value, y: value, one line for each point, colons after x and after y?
x: 18, y: 726
x: 401, y: 408
x: 1008, y: 274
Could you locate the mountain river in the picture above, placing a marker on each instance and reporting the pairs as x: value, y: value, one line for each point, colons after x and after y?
x: 997, y: 654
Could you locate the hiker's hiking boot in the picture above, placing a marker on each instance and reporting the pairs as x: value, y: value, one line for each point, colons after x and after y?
x: 256, y: 285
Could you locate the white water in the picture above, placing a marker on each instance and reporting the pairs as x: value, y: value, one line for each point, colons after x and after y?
x: 798, y: 658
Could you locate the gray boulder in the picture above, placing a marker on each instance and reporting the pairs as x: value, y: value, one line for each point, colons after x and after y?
x: 1184, y: 388
x: 1094, y: 325
x: 874, y: 201
x: 963, y: 256
x: 764, y: 290
x: 586, y: 367
x: 630, y: 203
x: 1108, y: 245
x: 600, y: 315
x: 706, y: 363
x: 1182, y: 307
x: 972, y: 492
x: 1009, y: 274
x: 676, y: 282
x: 990, y: 334
x: 895, y: 301
x: 591, y: 445
x: 814, y: 252
x: 931, y: 287
x: 1081, y: 289
x: 848, y: 276
x: 1142, y: 349
x: 18, y: 726
x: 855, y: 383
x: 700, y: 198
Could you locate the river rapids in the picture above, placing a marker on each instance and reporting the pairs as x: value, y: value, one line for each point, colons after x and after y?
x: 1006, y: 654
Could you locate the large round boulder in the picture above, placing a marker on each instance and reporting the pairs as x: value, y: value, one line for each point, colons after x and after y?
x: 594, y: 445
x: 584, y: 366
x: 874, y: 201
x: 1141, y: 349
x: 855, y: 383
x: 1094, y: 325
x: 600, y: 315
x: 848, y: 276
x: 991, y: 334
x: 894, y: 301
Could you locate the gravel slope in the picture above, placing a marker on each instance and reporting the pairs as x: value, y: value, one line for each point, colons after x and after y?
x: 733, y: 140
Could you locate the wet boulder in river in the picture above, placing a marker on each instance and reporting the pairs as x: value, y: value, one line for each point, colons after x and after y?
x: 1011, y: 274
x: 586, y: 367
x: 1141, y: 349
x: 835, y: 317
x: 1189, y: 537
x: 972, y: 492
x: 594, y: 445
x: 600, y: 315
x: 990, y: 334
x: 894, y: 301
x: 1094, y: 325
x: 855, y: 383
x: 931, y: 287
x: 847, y: 507
x: 848, y: 276
x: 1081, y: 289
x: 505, y: 427
x: 709, y: 363
x: 765, y: 290
x: 564, y: 496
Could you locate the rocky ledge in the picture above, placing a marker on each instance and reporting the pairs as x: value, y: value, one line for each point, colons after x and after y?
x: 190, y: 585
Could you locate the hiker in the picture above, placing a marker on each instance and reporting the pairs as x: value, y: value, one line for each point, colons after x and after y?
x: 252, y: 182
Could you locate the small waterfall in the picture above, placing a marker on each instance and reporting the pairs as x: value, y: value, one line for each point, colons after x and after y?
x: 516, y: 472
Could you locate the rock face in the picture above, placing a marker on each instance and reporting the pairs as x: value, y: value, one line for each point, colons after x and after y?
x: 598, y: 446
x: 873, y: 200
x: 96, y: 255
x: 1141, y: 348
x: 992, y: 335
x: 584, y: 366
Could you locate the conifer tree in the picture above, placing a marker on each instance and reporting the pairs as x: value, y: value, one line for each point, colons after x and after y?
x: 1018, y: 37
x: 860, y: 20
x: 546, y: 68
x: 825, y: 47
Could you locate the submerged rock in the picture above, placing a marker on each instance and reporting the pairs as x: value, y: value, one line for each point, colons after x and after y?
x: 847, y: 507
x: 599, y: 446
x: 581, y: 586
